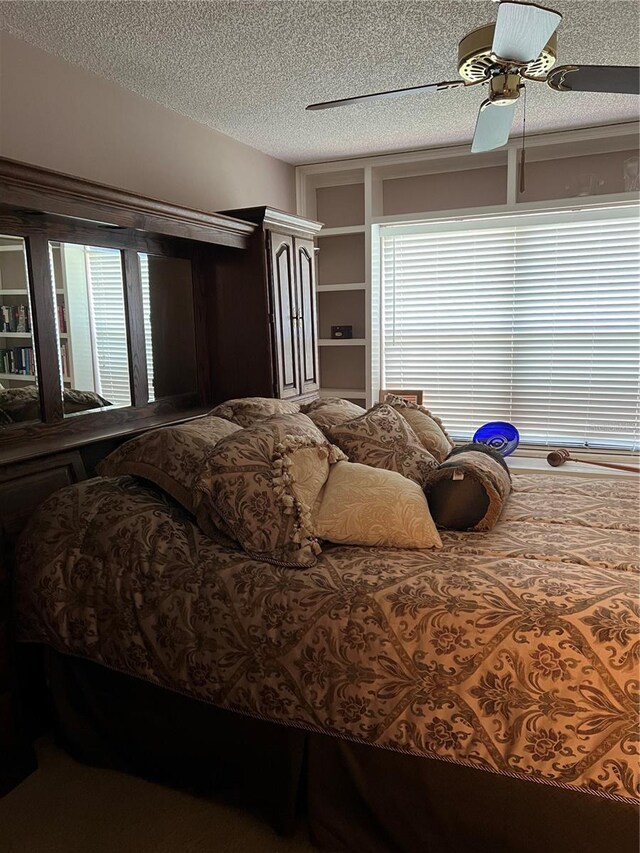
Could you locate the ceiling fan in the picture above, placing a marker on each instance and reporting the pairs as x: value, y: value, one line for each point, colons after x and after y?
x: 520, y: 46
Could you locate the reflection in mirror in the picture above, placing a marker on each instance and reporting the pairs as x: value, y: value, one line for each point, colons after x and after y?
x: 92, y: 328
x: 167, y: 302
x: 19, y: 396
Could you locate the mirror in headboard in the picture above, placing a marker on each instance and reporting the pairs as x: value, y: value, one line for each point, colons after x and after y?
x: 91, y: 315
x: 19, y: 397
x: 93, y: 351
x: 169, y: 325
x: 113, y: 294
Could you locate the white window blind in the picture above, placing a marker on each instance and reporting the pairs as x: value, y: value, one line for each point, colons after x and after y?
x: 104, y: 272
x: 532, y: 319
x: 146, y: 310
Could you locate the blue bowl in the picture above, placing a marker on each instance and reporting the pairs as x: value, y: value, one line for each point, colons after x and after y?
x: 499, y: 435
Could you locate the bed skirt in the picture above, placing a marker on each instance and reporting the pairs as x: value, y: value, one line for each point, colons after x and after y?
x: 356, y: 798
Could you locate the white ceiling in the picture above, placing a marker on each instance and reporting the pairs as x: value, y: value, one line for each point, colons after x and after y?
x: 248, y: 69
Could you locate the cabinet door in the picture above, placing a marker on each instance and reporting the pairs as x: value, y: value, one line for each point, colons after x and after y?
x: 307, y: 318
x: 285, y: 324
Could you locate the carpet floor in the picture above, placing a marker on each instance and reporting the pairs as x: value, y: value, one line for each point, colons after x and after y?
x: 67, y: 807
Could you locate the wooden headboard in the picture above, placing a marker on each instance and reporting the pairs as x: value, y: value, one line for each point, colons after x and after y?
x: 251, y: 281
x: 42, y: 207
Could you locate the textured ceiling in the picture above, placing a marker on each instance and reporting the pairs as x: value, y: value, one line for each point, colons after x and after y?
x: 248, y: 69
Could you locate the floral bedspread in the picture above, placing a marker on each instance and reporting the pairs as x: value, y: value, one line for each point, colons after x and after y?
x: 514, y: 650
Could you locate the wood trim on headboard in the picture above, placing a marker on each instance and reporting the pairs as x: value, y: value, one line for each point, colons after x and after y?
x: 44, y: 328
x: 135, y: 328
x: 38, y: 439
x: 31, y: 187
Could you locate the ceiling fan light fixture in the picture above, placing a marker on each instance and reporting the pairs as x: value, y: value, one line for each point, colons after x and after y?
x: 504, y: 89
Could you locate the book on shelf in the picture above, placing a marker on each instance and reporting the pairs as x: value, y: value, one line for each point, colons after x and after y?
x: 62, y: 320
x: 64, y: 359
x: 18, y: 360
x: 15, y: 318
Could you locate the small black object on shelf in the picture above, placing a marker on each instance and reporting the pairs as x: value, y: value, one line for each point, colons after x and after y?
x: 342, y: 331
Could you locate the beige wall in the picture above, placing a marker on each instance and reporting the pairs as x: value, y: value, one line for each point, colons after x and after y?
x: 57, y: 115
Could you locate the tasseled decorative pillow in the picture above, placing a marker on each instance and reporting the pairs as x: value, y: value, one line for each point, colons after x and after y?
x: 258, y: 486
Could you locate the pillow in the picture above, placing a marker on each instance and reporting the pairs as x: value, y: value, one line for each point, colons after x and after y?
x: 331, y: 411
x: 468, y: 491
x: 23, y: 404
x: 360, y: 505
x: 384, y: 439
x: 80, y: 401
x: 429, y: 429
x: 171, y: 457
x: 248, y: 411
x: 258, y: 486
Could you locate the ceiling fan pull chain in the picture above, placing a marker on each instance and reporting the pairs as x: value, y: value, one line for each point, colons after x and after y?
x: 524, y: 126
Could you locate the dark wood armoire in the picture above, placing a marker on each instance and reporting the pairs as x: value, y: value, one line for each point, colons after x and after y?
x: 264, y: 309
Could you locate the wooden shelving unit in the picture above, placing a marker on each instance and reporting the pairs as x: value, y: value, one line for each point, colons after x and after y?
x: 342, y: 231
x: 7, y: 378
x: 338, y: 202
x: 329, y: 288
x: 345, y: 393
x: 14, y: 291
x: 342, y: 342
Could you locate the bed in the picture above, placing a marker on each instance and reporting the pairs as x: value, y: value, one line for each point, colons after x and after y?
x: 493, y: 683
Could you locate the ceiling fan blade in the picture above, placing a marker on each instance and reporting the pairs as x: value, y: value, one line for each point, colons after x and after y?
x: 621, y: 79
x: 493, y: 126
x: 522, y: 30
x: 394, y: 93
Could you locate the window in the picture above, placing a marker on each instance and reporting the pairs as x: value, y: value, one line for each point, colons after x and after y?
x: 108, y: 327
x: 533, y: 319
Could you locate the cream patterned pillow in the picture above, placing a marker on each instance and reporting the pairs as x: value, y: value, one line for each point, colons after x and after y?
x: 247, y: 411
x: 360, y: 505
x: 259, y: 484
x: 171, y: 457
x: 429, y: 429
x: 331, y: 411
x: 384, y: 439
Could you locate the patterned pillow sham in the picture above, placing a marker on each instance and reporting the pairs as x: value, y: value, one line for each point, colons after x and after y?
x: 429, y: 429
x: 258, y: 487
x: 171, y: 457
x: 468, y: 491
x: 360, y: 505
x: 384, y: 439
x: 247, y: 411
x: 331, y: 411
